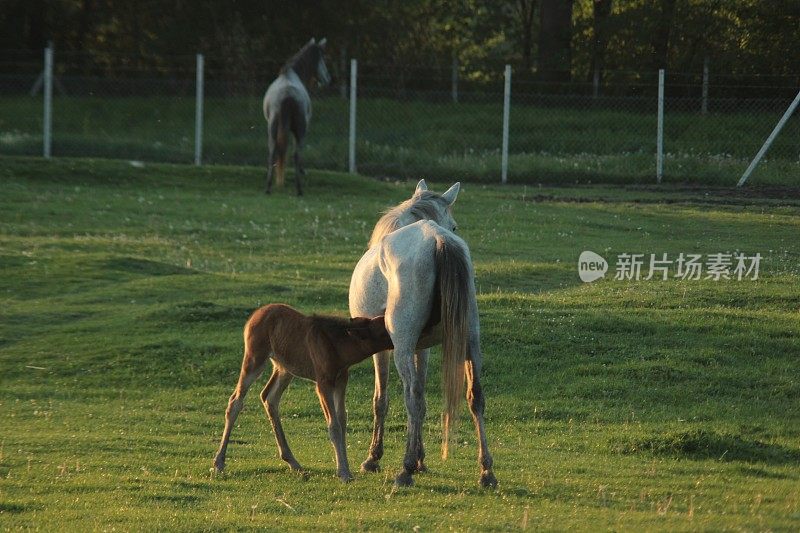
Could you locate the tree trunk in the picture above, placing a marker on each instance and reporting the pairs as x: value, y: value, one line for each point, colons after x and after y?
x: 661, y: 34
x: 525, y: 10
x: 555, y: 36
x: 601, y: 12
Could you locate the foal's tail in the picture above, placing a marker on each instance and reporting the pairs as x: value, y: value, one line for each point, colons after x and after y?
x: 453, y: 271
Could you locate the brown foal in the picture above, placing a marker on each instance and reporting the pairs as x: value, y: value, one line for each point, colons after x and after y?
x: 318, y: 348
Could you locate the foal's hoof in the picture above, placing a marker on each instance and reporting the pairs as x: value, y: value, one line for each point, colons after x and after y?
x: 370, y: 465
x: 403, y: 479
x: 421, y: 468
x: 488, y: 480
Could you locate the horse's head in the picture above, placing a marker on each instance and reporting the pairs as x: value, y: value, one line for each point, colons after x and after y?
x: 423, y: 205
x: 437, y: 207
x: 318, y: 60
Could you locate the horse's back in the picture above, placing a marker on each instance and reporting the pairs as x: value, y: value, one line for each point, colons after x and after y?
x: 286, y: 86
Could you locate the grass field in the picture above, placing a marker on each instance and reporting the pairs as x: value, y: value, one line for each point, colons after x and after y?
x: 548, y: 144
x: 612, y: 405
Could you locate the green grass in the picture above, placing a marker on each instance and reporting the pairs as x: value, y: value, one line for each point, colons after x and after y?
x: 613, y: 405
x: 548, y: 144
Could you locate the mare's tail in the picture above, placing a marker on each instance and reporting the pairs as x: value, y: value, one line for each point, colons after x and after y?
x: 452, y: 271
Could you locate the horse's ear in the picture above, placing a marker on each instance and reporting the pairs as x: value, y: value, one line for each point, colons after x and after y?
x: 322, y: 42
x: 451, y: 194
x: 421, y: 186
x: 312, y: 41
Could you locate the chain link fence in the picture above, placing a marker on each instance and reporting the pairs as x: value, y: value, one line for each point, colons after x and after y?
x: 439, y: 122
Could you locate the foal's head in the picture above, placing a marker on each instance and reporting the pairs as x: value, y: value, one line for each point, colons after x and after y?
x: 370, y: 334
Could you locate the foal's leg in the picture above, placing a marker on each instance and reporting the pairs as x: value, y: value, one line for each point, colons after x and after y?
x: 271, y: 398
x: 476, y: 404
x: 380, y: 406
x: 325, y: 392
x: 251, y: 370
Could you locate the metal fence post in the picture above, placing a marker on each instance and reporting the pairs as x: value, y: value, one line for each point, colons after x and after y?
x: 506, y: 109
x: 704, y: 103
x: 198, y: 113
x: 48, y: 102
x: 454, y: 80
x: 353, y: 78
x: 660, y: 133
x: 778, y: 127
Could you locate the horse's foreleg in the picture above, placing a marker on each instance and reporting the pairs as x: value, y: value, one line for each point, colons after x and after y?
x: 251, y: 370
x: 271, y: 398
x: 325, y: 392
x: 380, y: 406
x: 476, y: 403
x: 421, y: 367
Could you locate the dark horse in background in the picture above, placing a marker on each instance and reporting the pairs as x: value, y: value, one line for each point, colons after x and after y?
x: 287, y: 108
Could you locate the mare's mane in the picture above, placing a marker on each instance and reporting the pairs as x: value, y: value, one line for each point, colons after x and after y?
x: 421, y: 206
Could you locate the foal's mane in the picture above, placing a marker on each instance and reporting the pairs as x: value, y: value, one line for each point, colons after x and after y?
x: 421, y: 206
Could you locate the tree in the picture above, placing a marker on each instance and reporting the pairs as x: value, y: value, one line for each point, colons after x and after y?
x: 601, y: 10
x: 555, y: 40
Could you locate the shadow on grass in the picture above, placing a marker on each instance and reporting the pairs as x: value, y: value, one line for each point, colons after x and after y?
x: 143, y: 267
x: 705, y: 444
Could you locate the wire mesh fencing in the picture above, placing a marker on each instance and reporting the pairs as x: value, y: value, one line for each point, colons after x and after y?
x: 414, y: 121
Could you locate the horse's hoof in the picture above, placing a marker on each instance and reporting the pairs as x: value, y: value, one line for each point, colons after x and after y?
x: 219, y: 466
x: 370, y: 465
x: 421, y: 468
x: 295, y: 467
x: 347, y: 477
x: 488, y: 480
x: 403, y: 479
x: 267, y: 192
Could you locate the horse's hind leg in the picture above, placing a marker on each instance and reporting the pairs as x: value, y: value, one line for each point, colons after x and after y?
x: 299, y: 130
x: 271, y: 398
x: 421, y: 367
x: 252, y: 367
x: 476, y: 404
x: 380, y: 406
x: 414, y: 396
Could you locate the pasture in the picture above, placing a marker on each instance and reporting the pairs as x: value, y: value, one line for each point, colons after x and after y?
x: 612, y: 405
x: 550, y: 142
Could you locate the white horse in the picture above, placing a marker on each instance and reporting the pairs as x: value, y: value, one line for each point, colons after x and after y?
x: 287, y: 108
x: 417, y: 272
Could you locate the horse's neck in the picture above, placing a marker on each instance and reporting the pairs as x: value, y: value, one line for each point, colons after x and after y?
x: 302, y: 69
x: 390, y: 222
